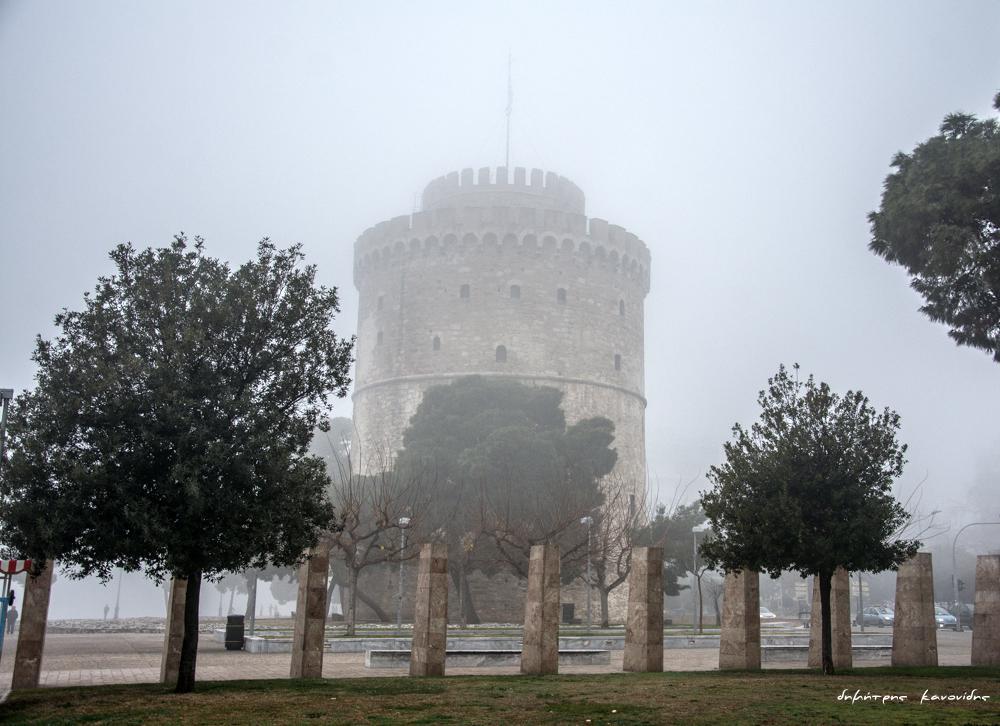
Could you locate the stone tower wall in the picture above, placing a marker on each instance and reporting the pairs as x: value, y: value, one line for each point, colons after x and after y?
x: 418, y: 328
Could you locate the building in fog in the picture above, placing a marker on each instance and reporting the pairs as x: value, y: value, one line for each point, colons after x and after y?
x: 502, y: 277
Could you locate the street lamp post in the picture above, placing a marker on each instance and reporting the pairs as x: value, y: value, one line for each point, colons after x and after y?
x: 404, y: 522
x: 954, y: 570
x: 588, y: 521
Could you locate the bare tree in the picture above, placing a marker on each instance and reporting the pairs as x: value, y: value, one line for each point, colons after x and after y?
x: 613, y: 530
x: 372, y: 509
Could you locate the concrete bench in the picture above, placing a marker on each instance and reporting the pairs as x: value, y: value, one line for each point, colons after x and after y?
x: 797, y: 653
x: 483, y: 658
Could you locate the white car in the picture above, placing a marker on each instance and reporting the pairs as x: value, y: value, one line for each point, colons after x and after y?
x: 766, y: 614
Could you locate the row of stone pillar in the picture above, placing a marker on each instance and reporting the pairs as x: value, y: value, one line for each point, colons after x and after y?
x: 914, y: 632
x: 914, y: 628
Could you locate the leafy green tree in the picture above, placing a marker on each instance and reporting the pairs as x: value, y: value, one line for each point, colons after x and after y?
x: 671, y: 530
x: 940, y: 219
x: 809, y: 487
x: 170, y: 425
x: 509, y: 473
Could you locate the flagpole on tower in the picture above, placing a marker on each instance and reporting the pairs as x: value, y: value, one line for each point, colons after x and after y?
x: 510, y: 105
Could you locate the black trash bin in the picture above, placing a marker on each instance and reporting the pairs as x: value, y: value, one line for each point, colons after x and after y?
x: 234, y: 632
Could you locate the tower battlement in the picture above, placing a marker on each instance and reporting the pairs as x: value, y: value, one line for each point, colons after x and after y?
x: 489, y: 187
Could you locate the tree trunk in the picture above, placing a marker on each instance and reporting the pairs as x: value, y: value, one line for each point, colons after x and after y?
x: 232, y: 592
x: 250, y: 617
x: 461, y: 582
x: 352, y: 601
x: 332, y: 583
x: 826, y: 622
x: 379, y: 612
x: 189, y: 647
x: 718, y: 612
x: 701, y: 608
x: 604, y: 606
x: 461, y: 594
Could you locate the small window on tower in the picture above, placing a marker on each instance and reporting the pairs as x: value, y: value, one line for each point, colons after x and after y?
x: 621, y: 307
x: 463, y: 292
x: 437, y: 343
x: 378, y: 338
x: 515, y: 292
x: 618, y: 362
x: 561, y: 296
x: 501, y: 354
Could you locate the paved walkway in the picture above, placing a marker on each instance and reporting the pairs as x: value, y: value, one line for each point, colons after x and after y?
x: 92, y: 659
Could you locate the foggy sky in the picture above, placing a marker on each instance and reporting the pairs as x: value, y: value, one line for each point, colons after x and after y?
x: 745, y: 143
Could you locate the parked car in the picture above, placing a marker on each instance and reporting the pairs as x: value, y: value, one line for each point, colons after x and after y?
x: 945, y: 619
x: 766, y: 614
x: 964, y: 614
x: 876, y: 616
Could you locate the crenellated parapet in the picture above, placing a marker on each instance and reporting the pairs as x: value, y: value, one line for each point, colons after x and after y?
x: 519, y: 229
x: 488, y: 187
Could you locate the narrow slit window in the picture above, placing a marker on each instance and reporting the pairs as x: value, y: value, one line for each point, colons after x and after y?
x: 437, y: 343
x: 463, y: 292
x: 618, y: 362
x: 561, y: 296
x: 515, y: 292
x: 621, y: 308
x: 501, y: 354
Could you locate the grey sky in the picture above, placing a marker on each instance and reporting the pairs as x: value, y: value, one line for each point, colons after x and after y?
x: 744, y: 143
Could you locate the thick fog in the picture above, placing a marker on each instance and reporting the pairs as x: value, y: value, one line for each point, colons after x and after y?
x: 744, y: 143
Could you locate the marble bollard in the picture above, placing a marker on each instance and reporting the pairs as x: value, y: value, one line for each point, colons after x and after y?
x: 644, y: 617
x: 540, y: 651
x: 914, y: 630
x: 310, y: 615
x: 31, y: 636
x: 840, y: 622
x: 173, y: 638
x: 739, y: 638
x: 430, y: 620
x: 986, y: 618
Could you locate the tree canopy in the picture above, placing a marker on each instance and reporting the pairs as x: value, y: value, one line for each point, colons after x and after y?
x: 809, y: 487
x: 509, y: 471
x: 170, y: 425
x: 940, y: 219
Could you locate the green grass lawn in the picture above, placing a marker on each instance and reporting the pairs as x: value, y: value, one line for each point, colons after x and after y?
x: 768, y: 697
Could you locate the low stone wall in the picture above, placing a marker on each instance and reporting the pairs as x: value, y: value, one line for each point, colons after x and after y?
x: 483, y: 658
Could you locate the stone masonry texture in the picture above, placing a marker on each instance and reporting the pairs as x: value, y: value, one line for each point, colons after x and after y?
x: 644, y: 618
x: 840, y: 622
x: 310, y: 615
x: 31, y: 637
x: 430, y: 626
x: 540, y: 651
x: 986, y: 618
x: 914, y: 630
x: 739, y: 641
x: 497, y: 259
x: 173, y: 636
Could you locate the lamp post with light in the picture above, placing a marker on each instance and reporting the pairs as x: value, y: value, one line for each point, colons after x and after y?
x: 696, y: 596
x: 404, y: 522
x: 954, y: 570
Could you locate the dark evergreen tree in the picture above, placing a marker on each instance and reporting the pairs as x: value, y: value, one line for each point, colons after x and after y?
x: 170, y: 426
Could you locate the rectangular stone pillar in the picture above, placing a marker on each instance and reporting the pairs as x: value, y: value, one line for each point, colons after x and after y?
x: 986, y: 618
x: 914, y: 630
x: 739, y: 639
x: 310, y: 615
x: 173, y: 638
x: 31, y: 636
x: 540, y: 651
x: 644, y: 617
x: 840, y: 622
x: 430, y: 619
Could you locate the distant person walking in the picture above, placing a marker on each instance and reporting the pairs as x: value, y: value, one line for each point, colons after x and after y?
x: 11, y: 620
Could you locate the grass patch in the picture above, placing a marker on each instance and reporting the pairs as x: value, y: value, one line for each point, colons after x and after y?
x: 771, y: 697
